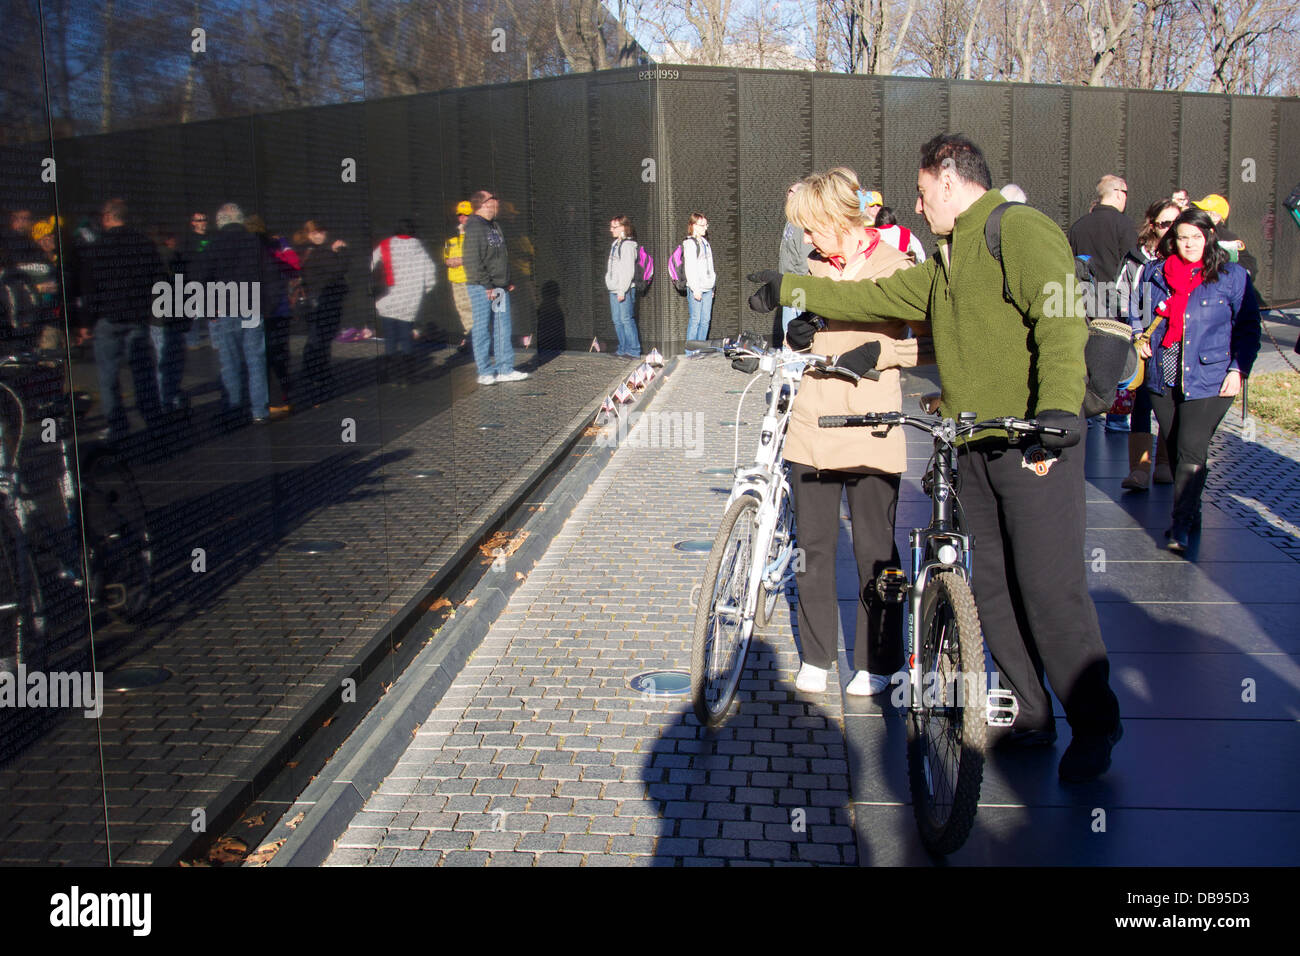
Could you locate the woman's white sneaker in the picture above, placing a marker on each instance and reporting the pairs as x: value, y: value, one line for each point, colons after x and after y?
x: 867, y: 685
x: 811, y: 680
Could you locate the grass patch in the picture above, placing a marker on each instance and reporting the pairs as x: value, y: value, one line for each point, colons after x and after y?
x: 1275, y: 399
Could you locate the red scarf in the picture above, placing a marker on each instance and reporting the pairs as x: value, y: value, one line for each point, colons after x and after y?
x: 1183, y: 278
x: 840, y: 263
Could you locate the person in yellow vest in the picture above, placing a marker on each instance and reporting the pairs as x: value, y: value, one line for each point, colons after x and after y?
x: 452, y: 251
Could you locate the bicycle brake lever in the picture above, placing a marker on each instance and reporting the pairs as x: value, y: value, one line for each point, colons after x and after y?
x: 850, y: 374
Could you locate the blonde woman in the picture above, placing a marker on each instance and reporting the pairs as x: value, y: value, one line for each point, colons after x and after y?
x: 826, y: 463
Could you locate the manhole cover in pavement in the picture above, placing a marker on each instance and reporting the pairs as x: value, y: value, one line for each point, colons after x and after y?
x: 317, y: 547
x: 697, y: 544
x: 490, y: 425
x: 661, y: 683
x: 715, y: 471
x: 133, y: 678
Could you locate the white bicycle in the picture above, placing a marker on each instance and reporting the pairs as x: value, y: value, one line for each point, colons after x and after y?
x: 750, y: 563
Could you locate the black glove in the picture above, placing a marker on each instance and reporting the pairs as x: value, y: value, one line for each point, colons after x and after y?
x: 745, y: 363
x: 1071, y: 422
x: 861, y: 360
x: 768, y: 295
x: 799, y: 334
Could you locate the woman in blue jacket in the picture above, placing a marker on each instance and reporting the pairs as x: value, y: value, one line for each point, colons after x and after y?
x: 1204, y: 343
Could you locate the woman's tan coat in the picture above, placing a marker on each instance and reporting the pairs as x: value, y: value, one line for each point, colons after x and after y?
x: 855, y: 449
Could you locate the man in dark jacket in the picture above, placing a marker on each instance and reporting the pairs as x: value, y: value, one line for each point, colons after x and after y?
x: 123, y: 266
x: 236, y: 257
x: 1024, y: 505
x: 1105, y: 234
x: 188, y: 263
x: 487, y: 280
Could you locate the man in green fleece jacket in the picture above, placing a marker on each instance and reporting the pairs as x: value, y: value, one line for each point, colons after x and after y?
x: 1023, y: 358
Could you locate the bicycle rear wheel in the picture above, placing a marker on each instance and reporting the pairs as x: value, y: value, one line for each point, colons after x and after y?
x: 724, y: 616
x: 117, y: 535
x: 22, y: 609
x: 946, y: 726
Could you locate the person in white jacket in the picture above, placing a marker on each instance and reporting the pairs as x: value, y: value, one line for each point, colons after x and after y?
x: 697, y: 262
x: 620, y: 278
x: 400, y: 265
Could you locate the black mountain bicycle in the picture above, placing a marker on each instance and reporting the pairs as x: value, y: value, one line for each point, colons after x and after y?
x: 69, y: 523
x: 949, y: 701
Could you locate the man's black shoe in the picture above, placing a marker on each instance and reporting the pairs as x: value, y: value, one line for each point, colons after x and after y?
x: 1026, y: 738
x: 1088, y: 755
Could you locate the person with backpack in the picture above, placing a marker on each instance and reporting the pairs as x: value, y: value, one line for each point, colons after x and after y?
x: 1024, y: 503
x: 620, y: 281
x: 1205, y: 318
x: 1160, y: 215
x: 900, y: 237
x: 403, y: 273
x: 1104, y: 233
x: 697, y: 266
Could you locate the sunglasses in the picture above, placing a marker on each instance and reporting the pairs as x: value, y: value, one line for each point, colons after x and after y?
x: 1165, y: 223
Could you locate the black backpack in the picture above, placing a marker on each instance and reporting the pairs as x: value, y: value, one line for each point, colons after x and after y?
x: 1109, y: 355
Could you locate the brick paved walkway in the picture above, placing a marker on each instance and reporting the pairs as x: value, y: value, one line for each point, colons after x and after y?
x: 253, y: 638
x: 541, y: 755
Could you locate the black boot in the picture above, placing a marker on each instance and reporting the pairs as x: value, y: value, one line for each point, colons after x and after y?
x: 1189, y: 480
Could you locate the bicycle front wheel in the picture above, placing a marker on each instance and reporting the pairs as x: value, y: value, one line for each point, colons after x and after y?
x: 945, y: 741
x: 724, y: 616
x: 780, y: 544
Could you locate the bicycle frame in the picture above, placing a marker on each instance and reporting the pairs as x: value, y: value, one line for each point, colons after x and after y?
x: 766, y: 479
x: 941, y: 546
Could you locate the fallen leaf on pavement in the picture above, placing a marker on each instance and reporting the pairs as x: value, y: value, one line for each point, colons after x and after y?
x: 228, y: 850
x: 264, y: 853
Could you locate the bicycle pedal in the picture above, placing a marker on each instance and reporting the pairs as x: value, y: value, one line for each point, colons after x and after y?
x: 892, y: 586
x: 1003, y: 708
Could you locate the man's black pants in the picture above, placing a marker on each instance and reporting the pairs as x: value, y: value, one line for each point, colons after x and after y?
x: 1031, y: 584
x: 873, y: 501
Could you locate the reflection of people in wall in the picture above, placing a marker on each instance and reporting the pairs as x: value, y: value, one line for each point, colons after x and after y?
x: 487, y: 277
x: 451, y: 255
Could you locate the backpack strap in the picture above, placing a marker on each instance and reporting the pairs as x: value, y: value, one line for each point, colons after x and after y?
x: 904, y: 239
x: 993, y: 240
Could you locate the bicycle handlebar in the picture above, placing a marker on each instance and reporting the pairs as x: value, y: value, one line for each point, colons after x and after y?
x: 935, y: 426
x: 739, y: 349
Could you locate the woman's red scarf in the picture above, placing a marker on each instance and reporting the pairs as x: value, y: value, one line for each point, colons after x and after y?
x: 841, y: 263
x: 1183, y: 278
